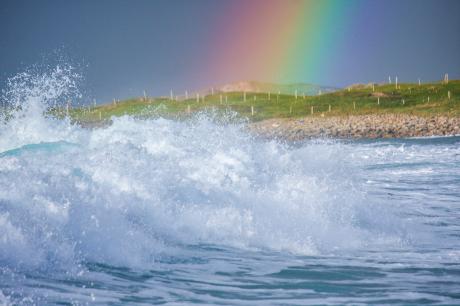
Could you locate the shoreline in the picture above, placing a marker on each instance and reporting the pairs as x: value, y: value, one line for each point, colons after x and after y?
x: 374, y: 126
x: 358, y: 127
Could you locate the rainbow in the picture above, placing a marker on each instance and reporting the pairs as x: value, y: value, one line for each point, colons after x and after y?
x: 279, y: 40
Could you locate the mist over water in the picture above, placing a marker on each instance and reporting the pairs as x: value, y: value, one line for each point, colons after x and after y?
x: 200, y: 211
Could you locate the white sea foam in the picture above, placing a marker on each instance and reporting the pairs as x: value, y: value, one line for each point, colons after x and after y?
x: 129, y: 192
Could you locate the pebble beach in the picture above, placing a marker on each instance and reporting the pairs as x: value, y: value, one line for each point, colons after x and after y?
x: 361, y: 126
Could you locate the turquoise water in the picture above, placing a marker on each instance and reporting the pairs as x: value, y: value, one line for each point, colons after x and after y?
x: 167, y: 212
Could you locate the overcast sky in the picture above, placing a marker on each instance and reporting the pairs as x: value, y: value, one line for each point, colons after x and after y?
x: 124, y: 47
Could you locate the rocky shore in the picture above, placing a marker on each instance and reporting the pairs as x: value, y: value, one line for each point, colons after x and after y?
x: 362, y: 126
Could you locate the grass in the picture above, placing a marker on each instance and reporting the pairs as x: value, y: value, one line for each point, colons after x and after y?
x: 425, y: 100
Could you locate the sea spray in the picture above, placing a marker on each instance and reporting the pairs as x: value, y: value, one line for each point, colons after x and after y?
x: 29, y: 97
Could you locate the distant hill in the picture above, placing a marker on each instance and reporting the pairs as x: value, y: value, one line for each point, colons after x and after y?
x: 260, y: 87
x: 254, y: 86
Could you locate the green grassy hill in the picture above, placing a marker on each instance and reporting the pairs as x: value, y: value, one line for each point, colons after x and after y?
x: 424, y: 100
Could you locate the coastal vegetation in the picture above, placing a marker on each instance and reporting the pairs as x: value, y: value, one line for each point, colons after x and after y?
x: 428, y: 99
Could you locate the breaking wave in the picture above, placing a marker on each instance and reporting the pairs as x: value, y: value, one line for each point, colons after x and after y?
x: 137, y: 190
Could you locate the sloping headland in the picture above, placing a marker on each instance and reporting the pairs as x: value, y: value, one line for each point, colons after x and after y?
x: 359, y: 111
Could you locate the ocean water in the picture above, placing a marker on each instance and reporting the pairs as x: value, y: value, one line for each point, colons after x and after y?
x: 202, y: 212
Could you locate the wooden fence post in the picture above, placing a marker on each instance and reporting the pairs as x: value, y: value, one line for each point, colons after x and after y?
x: 311, y: 110
x: 252, y: 110
x: 329, y: 108
x: 448, y: 94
